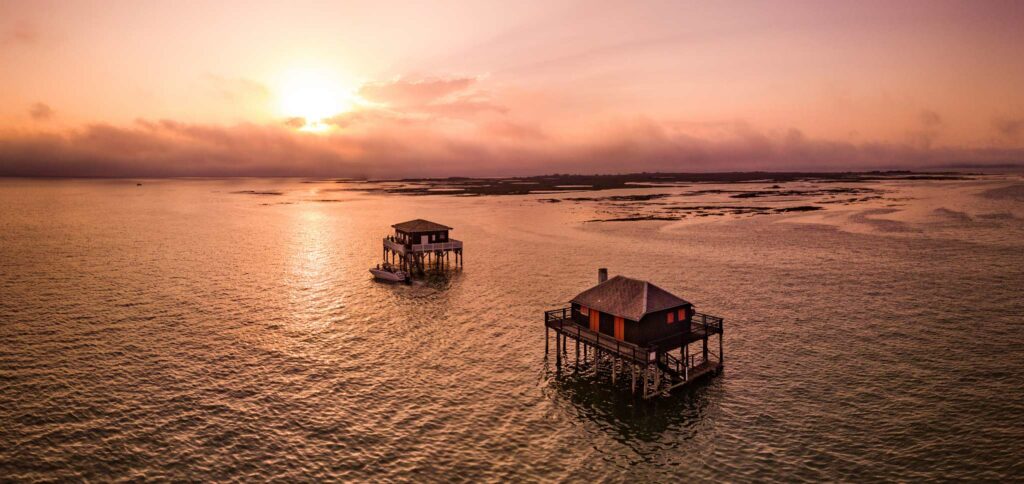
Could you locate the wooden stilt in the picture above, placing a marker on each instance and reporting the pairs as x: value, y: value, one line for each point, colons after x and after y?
x: 721, y: 351
x: 657, y: 378
x: 558, y: 352
x: 577, y: 355
x: 647, y: 370
x: 633, y: 385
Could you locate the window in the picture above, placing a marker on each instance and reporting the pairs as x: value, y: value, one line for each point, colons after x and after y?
x: 671, y: 318
x: 682, y: 314
x: 584, y: 310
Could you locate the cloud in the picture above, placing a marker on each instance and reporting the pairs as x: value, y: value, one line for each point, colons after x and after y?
x: 237, y: 90
x: 449, y: 97
x: 295, y: 122
x: 40, y: 112
x: 20, y: 33
x: 465, y: 107
x: 1010, y: 128
x: 930, y: 119
x: 930, y: 126
x: 404, y: 92
x: 172, y: 148
x: 512, y: 130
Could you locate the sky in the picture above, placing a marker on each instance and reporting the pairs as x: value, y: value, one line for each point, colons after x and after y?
x: 480, y: 88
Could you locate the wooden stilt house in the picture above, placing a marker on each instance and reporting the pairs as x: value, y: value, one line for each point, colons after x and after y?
x: 420, y: 244
x: 636, y: 323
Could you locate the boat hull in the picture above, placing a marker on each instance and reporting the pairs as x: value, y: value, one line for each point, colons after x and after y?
x: 388, y: 276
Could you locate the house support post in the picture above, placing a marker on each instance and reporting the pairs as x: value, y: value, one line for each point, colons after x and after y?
x: 632, y: 386
x: 647, y: 369
x: 558, y: 352
x: 721, y: 351
x: 577, y: 355
x: 657, y: 379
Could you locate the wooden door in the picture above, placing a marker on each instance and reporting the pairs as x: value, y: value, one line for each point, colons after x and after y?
x: 620, y: 329
x: 595, y: 321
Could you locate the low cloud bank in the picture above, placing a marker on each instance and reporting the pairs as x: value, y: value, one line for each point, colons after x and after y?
x: 170, y: 148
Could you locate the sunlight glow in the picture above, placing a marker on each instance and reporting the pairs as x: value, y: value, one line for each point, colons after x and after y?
x: 313, y: 96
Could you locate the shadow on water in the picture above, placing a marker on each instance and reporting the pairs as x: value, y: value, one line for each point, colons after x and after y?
x: 437, y: 280
x: 594, y: 398
x: 440, y: 280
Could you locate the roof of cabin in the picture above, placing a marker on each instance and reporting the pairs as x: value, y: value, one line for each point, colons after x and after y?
x: 628, y: 298
x: 420, y: 225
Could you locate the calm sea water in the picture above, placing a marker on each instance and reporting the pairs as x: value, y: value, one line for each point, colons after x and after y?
x: 179, y: 330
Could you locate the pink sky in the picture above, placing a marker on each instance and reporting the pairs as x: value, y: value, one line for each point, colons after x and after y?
x: 381, y: 89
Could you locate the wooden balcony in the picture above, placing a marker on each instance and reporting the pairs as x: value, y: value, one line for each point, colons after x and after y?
x: 701, y: 326
x: 560, y: 321
x: 400, y: 248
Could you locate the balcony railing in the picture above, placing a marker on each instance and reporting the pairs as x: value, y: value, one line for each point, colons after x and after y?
x: 561, y: 320
x: 451, y: 244
x: 394, y: 245
x: 701, y: 325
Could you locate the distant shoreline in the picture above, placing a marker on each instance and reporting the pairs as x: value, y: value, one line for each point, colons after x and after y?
x: 561, y: 183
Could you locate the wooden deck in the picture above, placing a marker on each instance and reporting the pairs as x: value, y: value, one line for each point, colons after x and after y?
x: 401, y: 248
x: 626, y: 350
x: 701, y: 326
x: 692, y: 374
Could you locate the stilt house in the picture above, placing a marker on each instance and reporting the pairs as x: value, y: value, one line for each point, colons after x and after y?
x: 636, y: 324
x: 418, y: 244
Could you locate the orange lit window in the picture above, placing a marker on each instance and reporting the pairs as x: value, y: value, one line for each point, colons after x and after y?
x: 682, y: 315
x: 671, y: 318
x: 584, y: 310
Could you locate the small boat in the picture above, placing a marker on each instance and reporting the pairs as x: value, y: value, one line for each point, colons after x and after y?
x: 389, y: 274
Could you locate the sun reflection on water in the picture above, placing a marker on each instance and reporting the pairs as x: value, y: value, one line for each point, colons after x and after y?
x: 314, y: 268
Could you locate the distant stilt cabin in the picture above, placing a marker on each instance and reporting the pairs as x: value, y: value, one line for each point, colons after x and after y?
x: 420, y: 244
x: 636, y: 324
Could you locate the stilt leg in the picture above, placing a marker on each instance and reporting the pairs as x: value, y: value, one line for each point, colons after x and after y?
x: 632, y: 386
x: 647, y: 369
x: 577, y: 355
x: 558, y: 352
x: 721, y: 352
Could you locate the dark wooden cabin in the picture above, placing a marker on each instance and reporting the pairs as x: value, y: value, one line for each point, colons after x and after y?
x: 419, y: 231
x: 632, y: 310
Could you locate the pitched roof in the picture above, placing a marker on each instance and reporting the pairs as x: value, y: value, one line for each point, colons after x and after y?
x: 628, y: 298
x: 420, y: 225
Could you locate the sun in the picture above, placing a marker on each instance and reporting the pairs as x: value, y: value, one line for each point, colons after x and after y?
x: 314, y: 97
